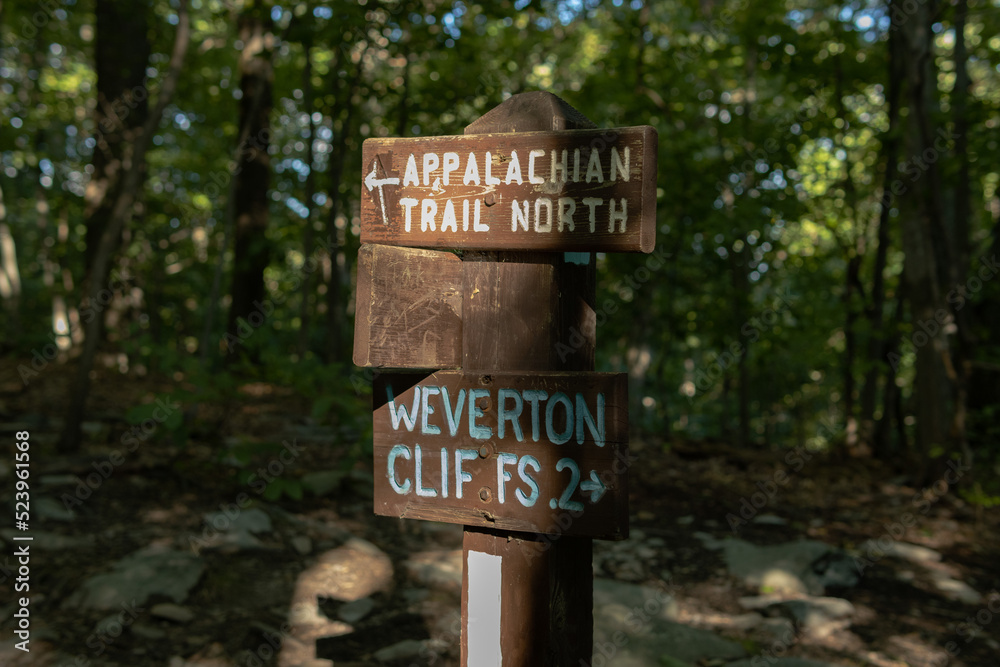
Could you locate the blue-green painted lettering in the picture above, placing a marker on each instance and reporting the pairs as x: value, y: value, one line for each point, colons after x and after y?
x: 504, y: 415
x: 397, y: 450
x: 550, y: 407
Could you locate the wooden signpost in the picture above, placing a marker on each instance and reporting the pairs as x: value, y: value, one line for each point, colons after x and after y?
x: 523, y: 443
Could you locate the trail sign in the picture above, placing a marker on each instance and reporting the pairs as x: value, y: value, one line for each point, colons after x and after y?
x: 533, y: 452
x: 572, y: 190
x: 408, y: 308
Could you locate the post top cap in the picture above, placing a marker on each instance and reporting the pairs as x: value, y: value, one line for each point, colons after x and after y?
x: 536, y: 111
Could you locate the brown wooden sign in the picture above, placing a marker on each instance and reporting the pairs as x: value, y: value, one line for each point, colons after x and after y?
x: 533, y: 452
x: 409, y: 308
x: 572, y: 190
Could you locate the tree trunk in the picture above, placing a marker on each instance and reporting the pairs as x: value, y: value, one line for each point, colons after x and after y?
x: 121, y: 55
x: 309, y: 234
x: 926, y: 248
x: 251, y: 252
x: 119, y: 217
x: 336, y: 322
x: 876, y: 337
x: 961, y: 213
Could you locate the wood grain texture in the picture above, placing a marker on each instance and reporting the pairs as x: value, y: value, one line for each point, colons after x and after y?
x: 389, y: 194
x: 409, y: 308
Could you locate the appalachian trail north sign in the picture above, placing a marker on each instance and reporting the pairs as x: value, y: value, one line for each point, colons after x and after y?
x: 572, y: 190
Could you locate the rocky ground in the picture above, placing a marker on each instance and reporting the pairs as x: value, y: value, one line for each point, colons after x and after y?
x: 179, y: 556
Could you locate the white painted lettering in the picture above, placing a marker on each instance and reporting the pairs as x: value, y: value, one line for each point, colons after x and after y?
x: 567, y: 207
x: 593, y: 166
x: 620, y: 216
x: 407, y: 203
x: 592, y: 202
x: 620, y: 166
x: 559, y: 166
x: 449, y: 217
x: 428, y: 209
x: 450, y: 165
x: 537, y: 180
x: 513, y: 170
x: 547, y: 203
x: 471, y: 171
x: 411, y: 177
x: 476, y: 226
x: 490, y: 179
x: 516, y: 214
x: 431, y: 162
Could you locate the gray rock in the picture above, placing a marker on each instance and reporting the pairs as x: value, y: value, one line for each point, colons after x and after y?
x: 408, y: 648
x: 172, y: 612
x: 147, y: 631
x: 251, y: 520
x: 109, y: 626
x: 138, y: 576
x: 818, y: 617
x: 954, y: 588
x: 237, y: 532
x: 436, y: 569
x: 302, y: 545
x: 804, y: 567
x: 781, y: 662
x: 352, y: 612
x: 780, y: 628
x: 49, y: 508
x: 836, y: 570
x: 913, y: 553
x: 632, y: 628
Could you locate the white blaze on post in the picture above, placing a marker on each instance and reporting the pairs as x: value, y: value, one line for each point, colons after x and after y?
x: 483, y: 623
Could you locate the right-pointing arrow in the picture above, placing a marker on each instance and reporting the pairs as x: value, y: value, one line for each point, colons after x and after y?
x: 595, y: 486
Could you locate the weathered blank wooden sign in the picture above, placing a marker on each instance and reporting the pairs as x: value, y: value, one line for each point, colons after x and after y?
x: 534, y: 452
x: 409, y: 308
x: 573, y: 190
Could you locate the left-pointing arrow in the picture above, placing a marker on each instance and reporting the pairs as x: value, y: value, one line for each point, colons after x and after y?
x: 372, y: 181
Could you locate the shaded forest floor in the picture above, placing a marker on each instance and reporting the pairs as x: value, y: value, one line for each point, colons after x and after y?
x: 284, y: 579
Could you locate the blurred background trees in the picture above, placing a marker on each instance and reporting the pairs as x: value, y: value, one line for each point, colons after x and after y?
x: 828, y: 198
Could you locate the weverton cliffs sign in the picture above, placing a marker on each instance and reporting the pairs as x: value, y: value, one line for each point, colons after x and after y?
x: 534, y: 452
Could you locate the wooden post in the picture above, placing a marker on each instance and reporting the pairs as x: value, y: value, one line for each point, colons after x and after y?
x: 529, y: 193
x: 527, y: 599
